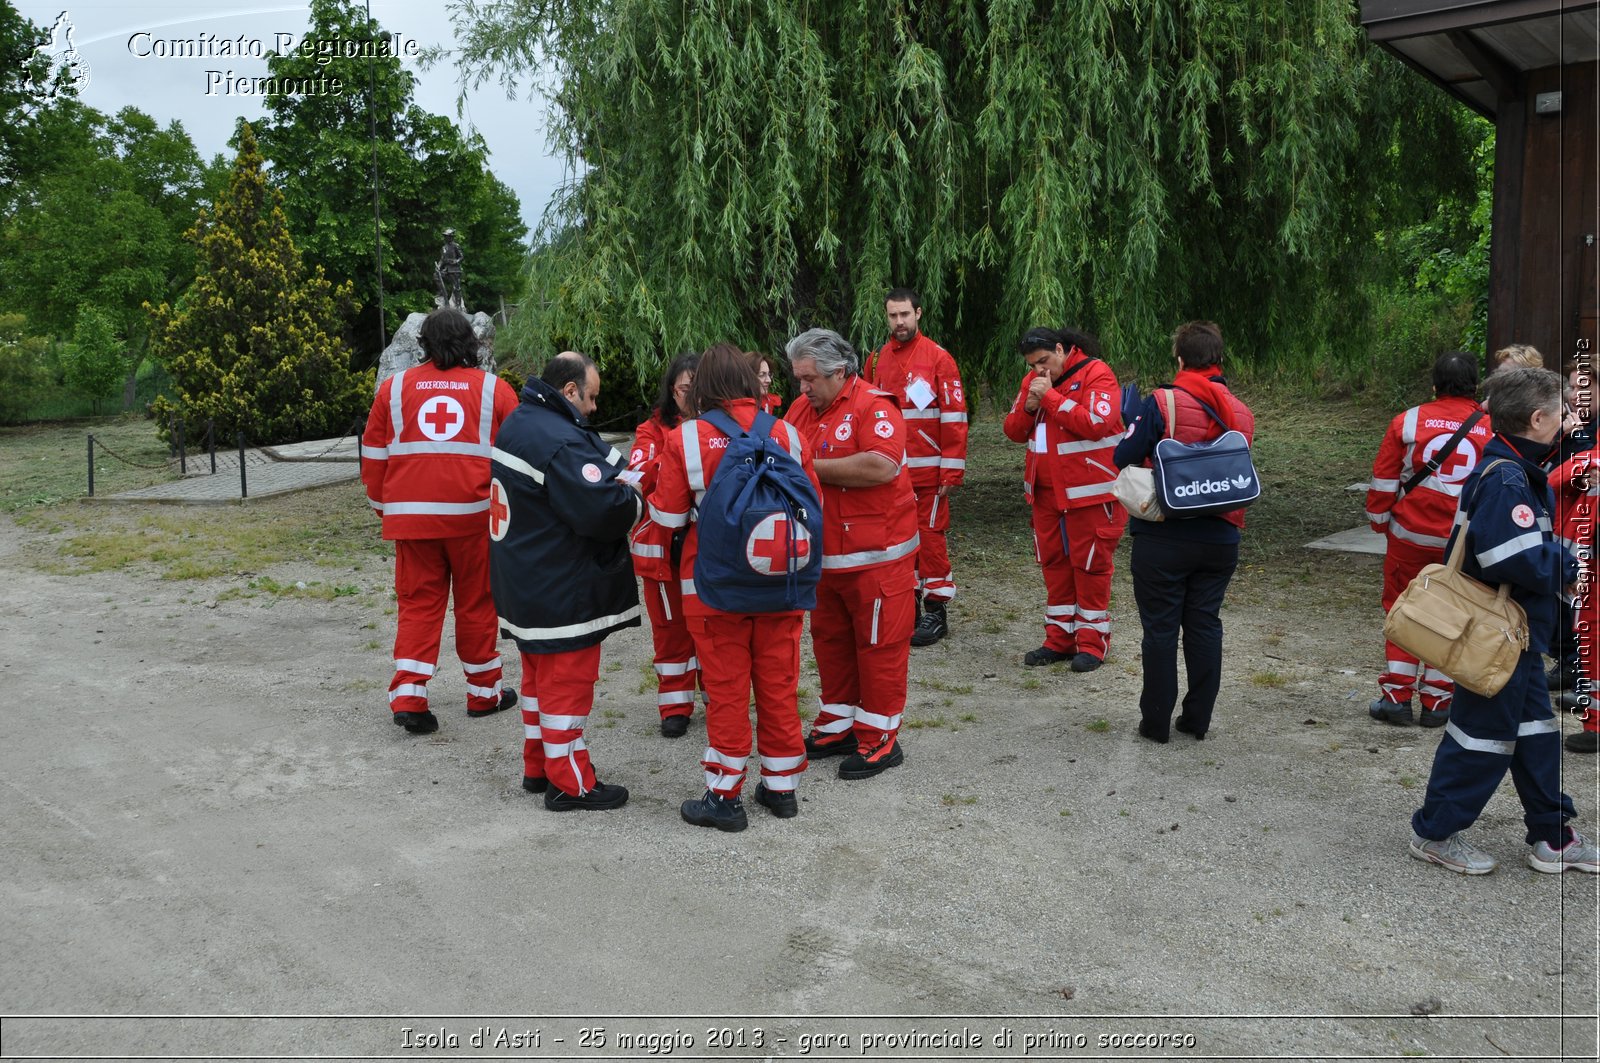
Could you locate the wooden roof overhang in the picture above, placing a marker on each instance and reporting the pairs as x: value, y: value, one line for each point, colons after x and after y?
x: 1474, y: 49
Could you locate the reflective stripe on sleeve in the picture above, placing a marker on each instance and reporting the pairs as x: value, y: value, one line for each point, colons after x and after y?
x: 375, y: 453
x: 436, y: 509
x: 1510, y: 548
x: 516, y: 464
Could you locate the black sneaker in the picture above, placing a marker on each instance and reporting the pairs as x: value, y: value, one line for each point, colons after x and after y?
x: 1433, y: 717
x: 932, y: 627
x: 820, y: 746
x: 675, y: 726
x: 1183, y: 724
x: 1043, y: 655
x: 602, y: 797
x: 781, y: 803
x: 418, y: 723
x: 1395, y: 712
x: 1148, y: 730
x: 1086, y: 662
x: 508, y: 700
x: 709, y: 810
x: 535, y: 785
x: 1583, y: 742
x: 880, y: 758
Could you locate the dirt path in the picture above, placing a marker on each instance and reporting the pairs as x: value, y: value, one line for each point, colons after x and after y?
x: 209, y: 813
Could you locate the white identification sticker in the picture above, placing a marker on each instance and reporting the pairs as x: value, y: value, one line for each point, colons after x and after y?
x: 920, y: 394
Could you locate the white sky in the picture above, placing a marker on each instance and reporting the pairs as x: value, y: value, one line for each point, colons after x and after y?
x: 176, y: 88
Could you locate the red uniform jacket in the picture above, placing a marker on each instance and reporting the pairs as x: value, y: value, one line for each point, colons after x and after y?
x: 1576, y: 507
x: 1424, y: 516
x: 923, y: 377
x: 652, y: 554
x: 688, y: 462
x: 425, y: 453
x: 862, y: 527
x: 1070, y: 437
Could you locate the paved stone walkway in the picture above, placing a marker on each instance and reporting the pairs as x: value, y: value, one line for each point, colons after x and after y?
x: 268, y: 471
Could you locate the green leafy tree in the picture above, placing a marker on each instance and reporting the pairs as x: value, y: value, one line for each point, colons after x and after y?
x: 253, y: 344
x: 23, y: 366
x: 104, y: 223
x: 431, y: 177
x: 748, y: 170
x: 94, y: 363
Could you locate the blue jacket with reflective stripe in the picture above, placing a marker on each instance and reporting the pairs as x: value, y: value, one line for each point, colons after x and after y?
x: 1509, y: 539
x: 561, y: 572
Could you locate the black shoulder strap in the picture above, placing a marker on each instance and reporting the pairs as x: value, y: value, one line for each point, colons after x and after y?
x: 1075, y: 367
x: 1203, y: 405
x: 1440, y: 455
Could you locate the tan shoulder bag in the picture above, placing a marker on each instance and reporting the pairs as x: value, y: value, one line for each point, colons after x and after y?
x: 1470, y: 631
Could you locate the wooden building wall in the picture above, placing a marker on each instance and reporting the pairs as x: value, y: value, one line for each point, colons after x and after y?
x: 1546, y: 227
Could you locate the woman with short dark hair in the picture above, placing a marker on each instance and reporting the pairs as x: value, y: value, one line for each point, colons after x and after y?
x: 425, y: 464
x: 1181, y: 567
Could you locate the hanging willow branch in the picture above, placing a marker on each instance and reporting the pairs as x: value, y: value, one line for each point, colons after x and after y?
x: 749, y: 168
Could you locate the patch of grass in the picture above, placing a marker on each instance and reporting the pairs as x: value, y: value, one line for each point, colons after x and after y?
x: 1031, y: 682
x: 1268, y: 679
x: 968, y: 717
x: 1066, y: 811
x: 934, y: 683
x: 932, y: 722
x: 373, y: 644
x: 951, y: 800
x: 1408, y: 782
x: 1099, y: 727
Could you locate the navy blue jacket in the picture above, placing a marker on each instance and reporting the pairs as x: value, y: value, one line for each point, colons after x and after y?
x: 1509, y: 539
x: 560, y: 569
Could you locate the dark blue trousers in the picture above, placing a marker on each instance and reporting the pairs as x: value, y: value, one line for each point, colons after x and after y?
x: 1178, y: 586
x: 1513, y: 730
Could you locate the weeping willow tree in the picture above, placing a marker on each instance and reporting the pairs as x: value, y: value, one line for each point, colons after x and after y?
x: 748, y: 168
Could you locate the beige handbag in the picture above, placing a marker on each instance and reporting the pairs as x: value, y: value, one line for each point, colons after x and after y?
x: 1135, y: 485
x: 1471, y: 632
x: 1135, y: 488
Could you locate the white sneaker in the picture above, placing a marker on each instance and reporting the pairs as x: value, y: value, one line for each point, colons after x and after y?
x: 1455, y: 853
x: 1579, y: 854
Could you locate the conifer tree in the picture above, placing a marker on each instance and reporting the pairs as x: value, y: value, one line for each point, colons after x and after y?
x: 252, y: 344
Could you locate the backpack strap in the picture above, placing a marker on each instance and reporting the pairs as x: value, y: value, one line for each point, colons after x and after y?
x: 1172, y: 412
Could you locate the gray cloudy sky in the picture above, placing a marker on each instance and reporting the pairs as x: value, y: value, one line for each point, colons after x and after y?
x: 109, y: 34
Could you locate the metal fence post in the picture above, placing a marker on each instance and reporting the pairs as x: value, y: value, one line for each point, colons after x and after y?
x: 244, y: 489
x: 211, y: 443
x: 91, y: 466
x: 183, y: 459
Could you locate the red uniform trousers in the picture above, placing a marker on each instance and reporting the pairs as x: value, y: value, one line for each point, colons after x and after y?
x: 1074, y: 549
x: 557, y: 694
x: 426, y: 573
x: 1402, y: 561
x: 677, y: 667
x: 861, y: 634
x: 741, y: 651
x: 935, y: 581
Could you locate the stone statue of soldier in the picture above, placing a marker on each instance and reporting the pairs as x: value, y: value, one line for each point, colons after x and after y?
x: 448, y: 272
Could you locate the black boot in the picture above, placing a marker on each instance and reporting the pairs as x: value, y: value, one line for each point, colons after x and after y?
x: 932, y: 627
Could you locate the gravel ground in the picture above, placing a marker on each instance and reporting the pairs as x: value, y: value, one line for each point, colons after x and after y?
x: 209, y: 814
